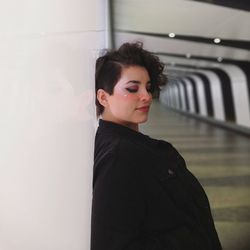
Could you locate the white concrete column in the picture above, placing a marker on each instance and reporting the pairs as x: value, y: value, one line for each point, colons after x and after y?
x: 176, y: 94
x: 47, y: 121
x: 190, y: 93
x: 216, y: 92
x: 164, y: 96
x: 168, y: 96
x: 171, y: 96
x: 201, y: 94
x: 240, y: 93
x: 183, y: 99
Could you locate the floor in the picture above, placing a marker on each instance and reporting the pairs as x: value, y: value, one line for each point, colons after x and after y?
x: 220, y: 159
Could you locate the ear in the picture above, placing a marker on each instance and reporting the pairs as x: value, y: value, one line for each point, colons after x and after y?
x: 102, y: 97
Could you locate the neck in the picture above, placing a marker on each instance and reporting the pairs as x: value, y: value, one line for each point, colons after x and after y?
x: 133, y: 126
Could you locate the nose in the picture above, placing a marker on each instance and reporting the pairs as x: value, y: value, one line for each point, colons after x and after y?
x: 145, y: 96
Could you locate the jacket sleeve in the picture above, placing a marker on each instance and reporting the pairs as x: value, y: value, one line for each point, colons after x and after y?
x: 119, y: 210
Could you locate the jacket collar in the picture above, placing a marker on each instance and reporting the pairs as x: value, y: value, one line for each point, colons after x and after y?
x: 163, y: 154
x: 115, y: 128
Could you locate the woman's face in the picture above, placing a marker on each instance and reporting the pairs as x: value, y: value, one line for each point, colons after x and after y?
x: 129, y: 104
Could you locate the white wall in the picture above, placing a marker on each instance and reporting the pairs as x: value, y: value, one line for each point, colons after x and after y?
x: 47, y: 51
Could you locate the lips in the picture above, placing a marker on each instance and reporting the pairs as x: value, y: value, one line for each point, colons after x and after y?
x: 144, y: 108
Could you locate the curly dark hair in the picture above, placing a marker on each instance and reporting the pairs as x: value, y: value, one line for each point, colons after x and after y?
x: 109, y: 67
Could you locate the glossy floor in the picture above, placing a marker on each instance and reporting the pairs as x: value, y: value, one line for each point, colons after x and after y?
x: 220, y: 159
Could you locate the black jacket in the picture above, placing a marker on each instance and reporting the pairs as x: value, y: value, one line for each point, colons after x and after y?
x: 144, y: 197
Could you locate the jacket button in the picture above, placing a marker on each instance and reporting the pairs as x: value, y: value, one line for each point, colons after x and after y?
x: 170, y: 172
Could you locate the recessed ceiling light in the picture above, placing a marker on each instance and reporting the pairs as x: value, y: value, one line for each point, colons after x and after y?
x: 217, y: 40
x: 172, y: 35
x: 219, y: 59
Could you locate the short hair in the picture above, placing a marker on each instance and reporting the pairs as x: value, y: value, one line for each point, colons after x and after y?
x: 109, y: 67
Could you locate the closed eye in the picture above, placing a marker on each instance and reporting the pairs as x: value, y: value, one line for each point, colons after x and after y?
x: 132, y: 90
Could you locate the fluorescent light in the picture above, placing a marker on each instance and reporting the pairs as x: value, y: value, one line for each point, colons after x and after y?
x: 217, y: 40
x: 219, y: 59
x: 172, y: 35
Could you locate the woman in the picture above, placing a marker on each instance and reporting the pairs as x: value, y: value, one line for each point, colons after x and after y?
x: 144, y: 197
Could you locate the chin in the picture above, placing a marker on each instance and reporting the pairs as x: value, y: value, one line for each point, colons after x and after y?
x: 143, y: 120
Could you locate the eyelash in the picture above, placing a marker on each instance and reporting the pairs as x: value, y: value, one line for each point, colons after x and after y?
x: 135, y: 90
x: 131, y: 90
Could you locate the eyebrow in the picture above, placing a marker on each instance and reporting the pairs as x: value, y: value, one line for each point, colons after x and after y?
x: 137, y: 82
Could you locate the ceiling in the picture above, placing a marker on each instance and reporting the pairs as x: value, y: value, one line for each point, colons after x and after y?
x: 236, y: 4
x: 194, y: 33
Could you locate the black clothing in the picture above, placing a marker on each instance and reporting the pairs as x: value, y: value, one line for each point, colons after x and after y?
x: 144, y: 197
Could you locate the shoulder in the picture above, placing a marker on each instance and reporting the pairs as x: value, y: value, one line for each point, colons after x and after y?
x: 117, y: 155
x: 122, y: 144
x: 118, y: 165
x: 119, y: 150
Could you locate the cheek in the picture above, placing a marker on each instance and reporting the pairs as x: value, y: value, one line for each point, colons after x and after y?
x: 123, y: 104
x: 128, y: 96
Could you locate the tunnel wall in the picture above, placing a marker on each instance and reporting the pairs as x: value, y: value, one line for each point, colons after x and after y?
x: 204, y: 79
x: 224, y: 98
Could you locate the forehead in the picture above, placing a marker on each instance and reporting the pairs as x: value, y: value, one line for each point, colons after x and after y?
x: 134, y: 73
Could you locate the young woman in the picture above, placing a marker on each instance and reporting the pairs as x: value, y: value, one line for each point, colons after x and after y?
x: 144, y: 197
